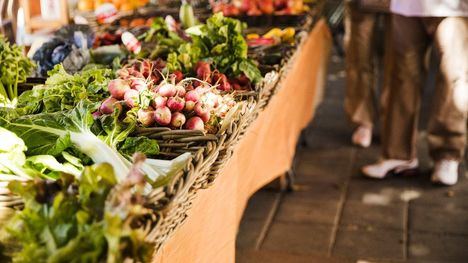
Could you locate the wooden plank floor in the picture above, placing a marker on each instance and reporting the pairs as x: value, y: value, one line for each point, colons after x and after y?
x: 336, y: 215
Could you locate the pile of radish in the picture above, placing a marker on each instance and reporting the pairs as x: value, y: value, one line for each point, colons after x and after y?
x: 170, y: 101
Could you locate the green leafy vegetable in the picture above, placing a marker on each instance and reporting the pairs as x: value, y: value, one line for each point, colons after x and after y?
x: 15, y: 67
x: 14, y: 165
x: 63, y: 91
x: 87, y: 220
x: 159, y: 41
x: 220, y: 40
x: 144, y: 145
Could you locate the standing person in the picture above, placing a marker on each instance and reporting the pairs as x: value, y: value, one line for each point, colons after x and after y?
x: 360, y: 51
x: 416, y: 24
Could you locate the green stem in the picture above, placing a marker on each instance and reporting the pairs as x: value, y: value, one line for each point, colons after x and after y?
x: 16, y: 82
x: 3, y: 92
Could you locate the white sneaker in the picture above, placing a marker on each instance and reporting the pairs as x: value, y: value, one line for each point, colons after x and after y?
x: 445, y: 172
x: 382, y: 168
x: 362, y: 136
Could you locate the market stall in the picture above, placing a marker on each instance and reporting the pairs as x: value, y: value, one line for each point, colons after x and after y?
x: 142, y: 136
x: 265, y: 153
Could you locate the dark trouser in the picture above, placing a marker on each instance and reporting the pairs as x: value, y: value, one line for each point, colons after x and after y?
x: 448, y: 122
x: 361, y: 64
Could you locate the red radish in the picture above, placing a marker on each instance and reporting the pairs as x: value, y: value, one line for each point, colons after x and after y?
x: 145, y: 116
x: 135, y: 73
x: 176, y: 103
x: 139, y: 84
x: 242, y: 80
x: 158, y: 65
x: 180, y: 91
x: 109, y: 105
x: 159, y: 101
x: 178, y: 120
x: 236, y: 86
x: 155, y: 78
x: 203, y: 70
x: 205, y: 116
x: 146, y: 68
x: 189, y: 105
x: 162, y: 116
x: 201, y: 109
x: 192, y: 96
x: 97, y: 114
x: 117, y: 88
x: 222, y: 81
x: 131, y: 98
x: 167, y: 90
x: 195, y: 123
x: 178, y: 76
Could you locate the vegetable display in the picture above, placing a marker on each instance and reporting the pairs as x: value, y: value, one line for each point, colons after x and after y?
x: 80, y: 155
x: 219, y: 42
x: 174, y: 102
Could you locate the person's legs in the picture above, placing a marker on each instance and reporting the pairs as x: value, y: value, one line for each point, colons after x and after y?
x: 359, y: 70
x: 409, y: 41
x: 447, y: 126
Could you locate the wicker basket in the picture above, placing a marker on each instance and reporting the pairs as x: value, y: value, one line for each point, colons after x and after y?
x: 212, y: 154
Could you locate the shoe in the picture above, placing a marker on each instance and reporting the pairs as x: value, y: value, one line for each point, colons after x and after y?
x: 382, y: 168
x: 445, y: 172
x: 362, y: 136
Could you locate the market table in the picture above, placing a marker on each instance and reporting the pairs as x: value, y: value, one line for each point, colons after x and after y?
x: 265, y: 153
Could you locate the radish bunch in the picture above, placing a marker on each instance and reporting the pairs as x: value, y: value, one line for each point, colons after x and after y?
x: 174, y: 102
x: 204, y: 72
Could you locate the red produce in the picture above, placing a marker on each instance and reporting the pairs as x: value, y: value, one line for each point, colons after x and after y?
x: 221, y: 80
x: 176, y: 103
x: 201, y: 109
x: 205, y: 117
x: 117, y: 88
x: 96, y: 114
x: 180, y: 91
x: 146, y: 68
x: 159, y: 101
x: 167, y: 90
x: 131, y: 98
x: 192, y: 95
x: 109, y: 105
x: 178, y: 120
x: 178, y: 76
x: 146, y: 116
x: 189, y: 105
x: 163, y: 116
x: 203, y: 70
x: 195, y: 123
x: 139, y: 84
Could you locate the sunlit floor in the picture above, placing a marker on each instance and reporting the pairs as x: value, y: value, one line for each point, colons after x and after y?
x: 336, y: 215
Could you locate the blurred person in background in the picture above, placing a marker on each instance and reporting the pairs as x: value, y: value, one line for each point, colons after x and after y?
x: 415, y: 25
x: 360, y: 43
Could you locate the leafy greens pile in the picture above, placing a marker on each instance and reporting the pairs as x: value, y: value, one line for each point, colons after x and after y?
x: 62, y: 91
x: 14, y: 68
x: 219, y: 41
x: 91, y: 219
